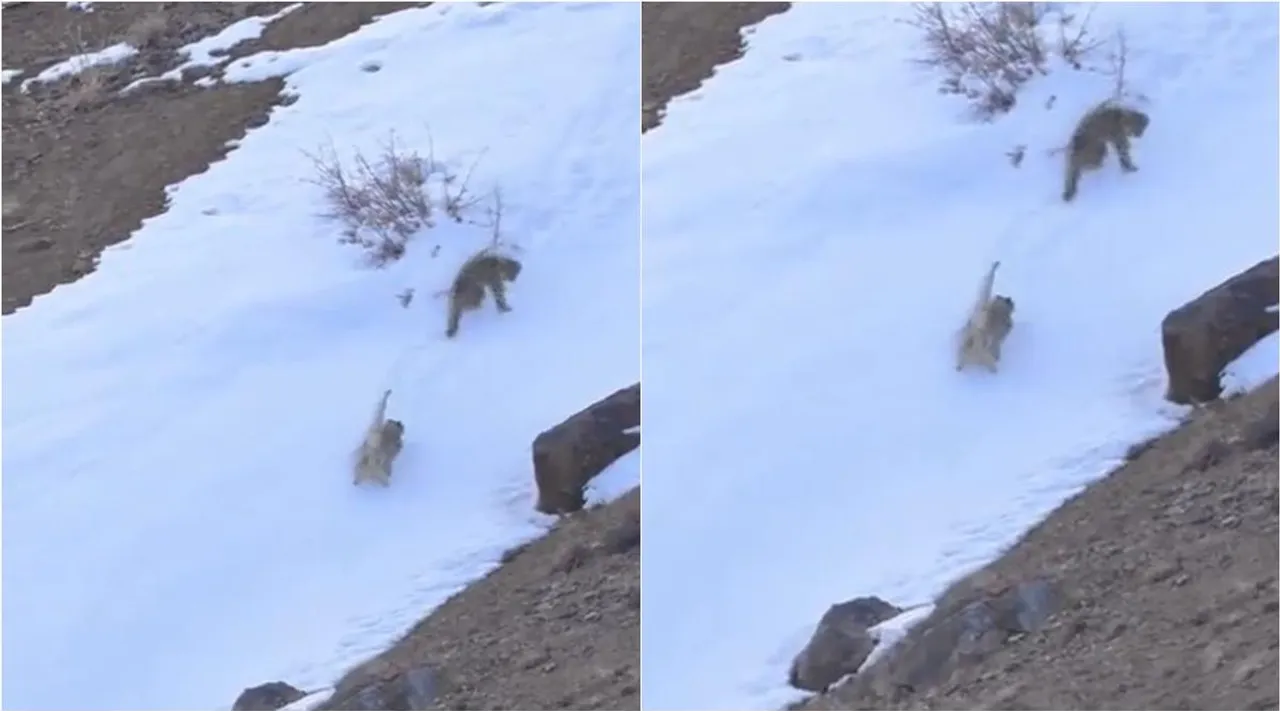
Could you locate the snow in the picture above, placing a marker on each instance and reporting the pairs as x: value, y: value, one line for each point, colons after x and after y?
x: 179, y: 520
x: 113, y: 54
x: 207, y: 52
x: 6, y: 75
x: 309, y: 701
x: 891, y: 631
x: 814, y: 233
x: 1254, y: 366
x: 210, y: 51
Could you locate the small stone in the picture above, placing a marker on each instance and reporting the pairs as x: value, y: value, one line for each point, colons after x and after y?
x: 1116, y: 630
x: 535, y: 659
x: 1211, y: 454
x: 38, y: 244
x: 267, y: 697
x: 572, y: 558
x: 1250, y: 666
x: 1212, y: 656
x: 1161, y: 572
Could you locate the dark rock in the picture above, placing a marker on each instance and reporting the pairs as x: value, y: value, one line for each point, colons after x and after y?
x: 1211, y: 454
x: 572, y: 558
x: 623, y: 537
x: 1206, y: 334
x: 569, y: 455
x: 840, y: 644
x: 514, y: 552
x: 1263, y: 432
x: 1139, y: 449
x: 413, y: 689
x: 267, y: 697
x: 961, y: 635
x: 38, y: 244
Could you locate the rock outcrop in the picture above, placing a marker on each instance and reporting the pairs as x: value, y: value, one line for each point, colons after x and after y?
x: 267, y: 697
x: 959, y: 633
x: 569, y: 455
x: 1206, y: 334
x: 840, y: 644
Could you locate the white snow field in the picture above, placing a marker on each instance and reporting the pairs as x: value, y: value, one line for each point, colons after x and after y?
x: 179, y: 518
x: 817, y: 219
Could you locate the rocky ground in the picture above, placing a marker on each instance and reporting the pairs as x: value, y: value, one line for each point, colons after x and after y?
x: 1155, y: 588
x: 557, y: 626
x: 683, y: 42
x: 83, y: 166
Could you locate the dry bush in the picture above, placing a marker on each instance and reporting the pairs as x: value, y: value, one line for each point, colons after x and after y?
x: 1016, y: 155
x: 1117, y: 61
x: 383, y: 202
x: 87, y: 86
x: 988, y: 50
x: 147, y: 29
x: 86, y: 89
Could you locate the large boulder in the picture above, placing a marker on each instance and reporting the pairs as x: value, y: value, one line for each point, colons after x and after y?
x: 567, y: 456
x: 1206, y: 334
x: 840, y: 644
x: 960, y: 633
x: 267, y: 697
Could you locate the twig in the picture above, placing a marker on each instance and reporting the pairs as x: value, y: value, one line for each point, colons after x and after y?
x: 1120, y: 58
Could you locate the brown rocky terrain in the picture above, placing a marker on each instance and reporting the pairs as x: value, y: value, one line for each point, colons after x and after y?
x: 82, y: 165
x: 683, y: 43
x: 1154, y: 588
x: 556, y: 626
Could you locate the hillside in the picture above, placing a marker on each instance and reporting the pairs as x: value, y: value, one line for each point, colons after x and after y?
x: 817, y: 216
x: 1167, y: 570
x: 191, y: 352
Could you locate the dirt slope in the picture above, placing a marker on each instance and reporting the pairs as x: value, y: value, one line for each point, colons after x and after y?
x: 683, y: 42
x: 1168, y: 568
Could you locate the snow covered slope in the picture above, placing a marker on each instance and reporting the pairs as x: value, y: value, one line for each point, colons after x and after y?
x: 817, y: 219
x: 178, y: 516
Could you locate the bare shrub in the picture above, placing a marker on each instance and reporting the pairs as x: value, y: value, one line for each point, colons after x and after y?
x: 1016, y: 155
x: 383, y: 202
x: 86, y: 89
x: 988, y: 50
x: 1117, y: 62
